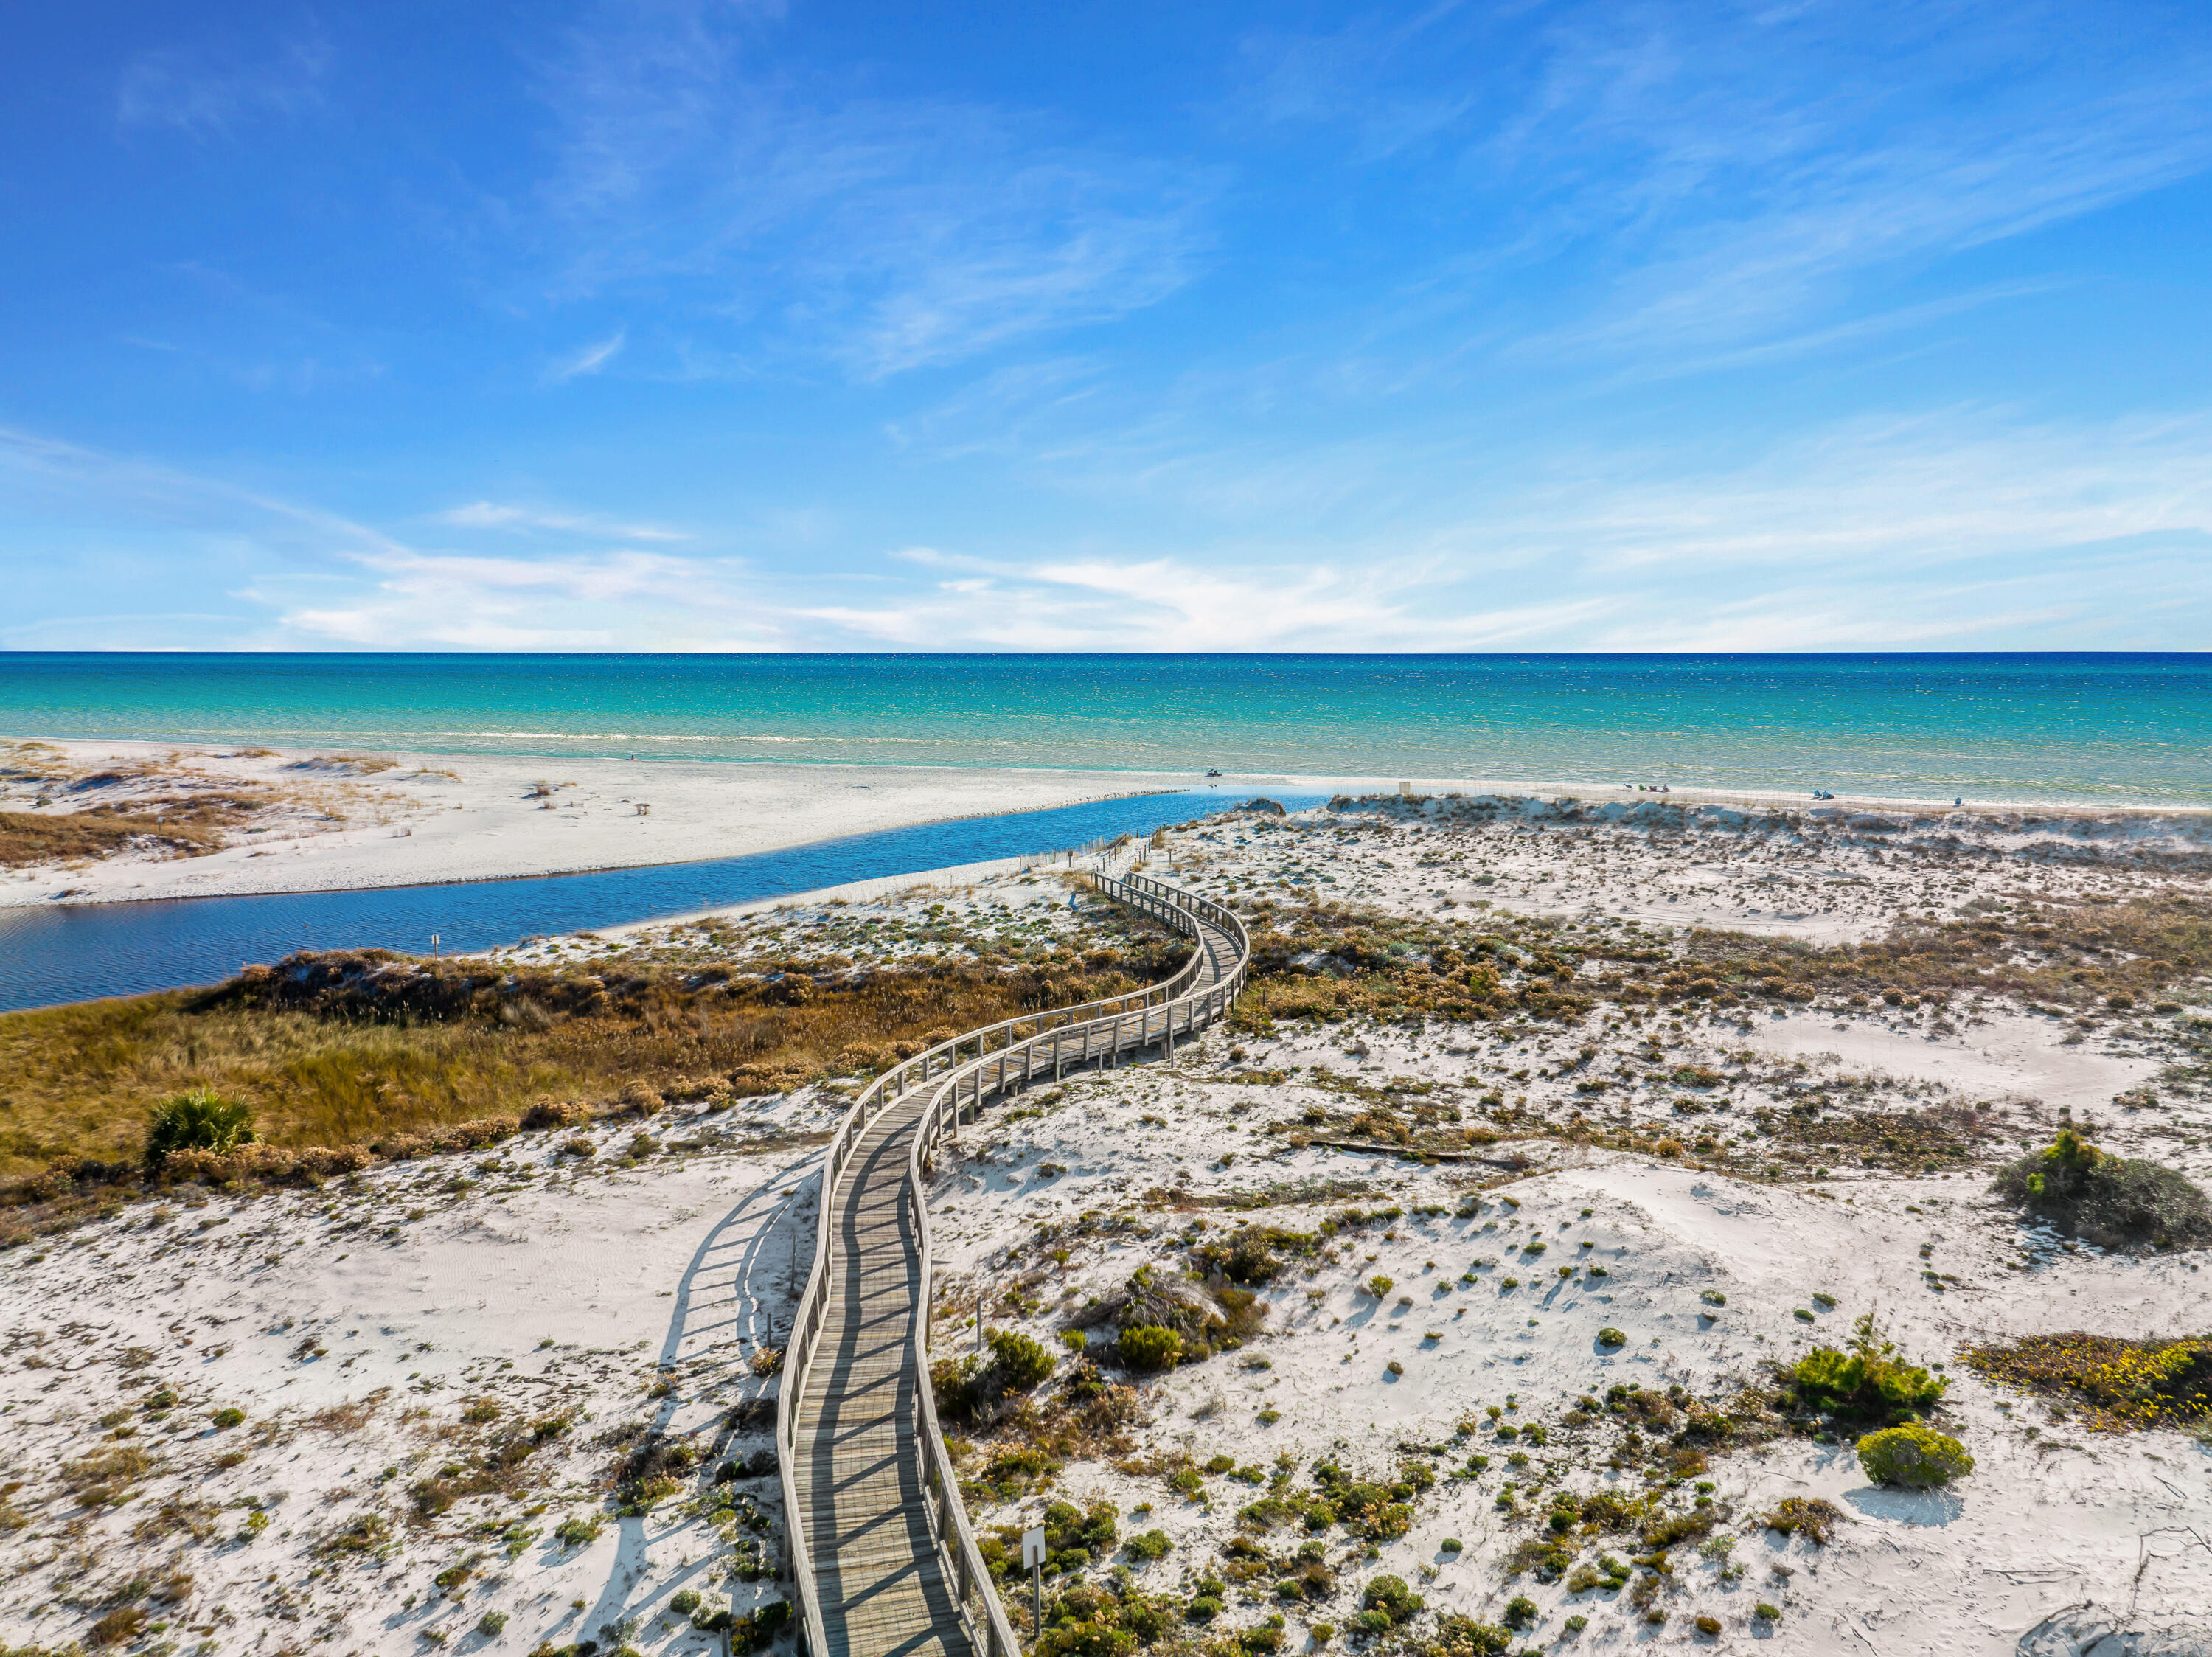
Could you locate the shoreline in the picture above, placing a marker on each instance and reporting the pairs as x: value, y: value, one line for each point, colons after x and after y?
x: 375, y: 821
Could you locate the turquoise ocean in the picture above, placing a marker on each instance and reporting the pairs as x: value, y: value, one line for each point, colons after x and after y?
x: 2106, y: 729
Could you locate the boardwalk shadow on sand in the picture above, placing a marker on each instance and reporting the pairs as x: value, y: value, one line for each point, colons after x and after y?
x: 734, y: 1299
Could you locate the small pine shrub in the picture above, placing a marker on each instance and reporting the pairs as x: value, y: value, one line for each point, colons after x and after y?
x: 1149, y: 1348
x: 1520, y: 1611
x: 226, y: 1419
x: 1766, y: 1613
x: 1611, y: 1336
x: 1913, y: 1458
x: 1869, y: 1382
x: 1149, y: 1545
x: 1710, y: 1626
x: 1023, y: 1363
x: 491, y: 1622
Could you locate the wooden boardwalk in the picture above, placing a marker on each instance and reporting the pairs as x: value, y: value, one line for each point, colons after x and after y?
x: 863, y: 1512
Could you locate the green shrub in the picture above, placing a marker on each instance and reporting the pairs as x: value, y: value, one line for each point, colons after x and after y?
x: 1150, y: 1347
x: 684, y: 1601
x: 1611, y: 1336
x: 579, y: 1533
x: 226, y: 1419
x: 1520, y: 1611
x: 491, y: 1622
x: 1766, y: 1613
x: 1708, y: 1625
x: 1321, y: 1633
x: 1267, y: 1637
x: 760, y: 1626
x: 1023, y: 1363
x: 1869, y: 1382
x: 1391, y: 1597
x: 1462, y: 1636
x: 1815, y: 1516
x: 1150, y: 1546
x: 2111, y: 1201
x: 196, y: 1121
x: 1451, y: 1544
x: 1916, y: 1457
x: 969, y: 1389
x: 1379, y: 1287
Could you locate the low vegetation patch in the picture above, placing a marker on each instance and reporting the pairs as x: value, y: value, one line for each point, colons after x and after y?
x: 350, y: 1051
x: 2117, y: 1385
x: 971, y: 1391
x: 1812, y: 1517
x: 184, y: 826
x: 2112, y: 1202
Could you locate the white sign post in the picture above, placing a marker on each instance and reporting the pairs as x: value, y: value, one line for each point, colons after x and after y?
x: 1033, y: 1562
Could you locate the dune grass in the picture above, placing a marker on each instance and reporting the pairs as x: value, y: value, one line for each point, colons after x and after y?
x: 367, y: 1046
x: 180, y: 827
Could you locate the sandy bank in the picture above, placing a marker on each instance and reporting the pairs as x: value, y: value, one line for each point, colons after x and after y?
x: 411, y: 819
x: 332, y: 821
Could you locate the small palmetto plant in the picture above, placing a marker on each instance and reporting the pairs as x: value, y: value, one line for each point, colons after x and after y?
x: 200, y: 1120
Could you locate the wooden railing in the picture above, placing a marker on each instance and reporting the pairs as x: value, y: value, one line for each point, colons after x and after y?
x: 1004, y: 1058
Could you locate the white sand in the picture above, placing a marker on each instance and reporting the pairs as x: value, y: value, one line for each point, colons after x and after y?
x: 432, y: 818
x: 573, y: 1293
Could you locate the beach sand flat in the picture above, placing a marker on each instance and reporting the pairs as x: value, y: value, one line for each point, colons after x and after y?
x: 337, y: 823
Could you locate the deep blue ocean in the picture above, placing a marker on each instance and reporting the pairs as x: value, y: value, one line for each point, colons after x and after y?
x: 2101, y: 728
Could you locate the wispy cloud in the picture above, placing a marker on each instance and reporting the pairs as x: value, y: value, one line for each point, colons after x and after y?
x: 589, y: 360
x: 489, y: 515
x: 582, y: 602
x: 212, y: 91
x: 886, y: 234
x: 1700, y: 178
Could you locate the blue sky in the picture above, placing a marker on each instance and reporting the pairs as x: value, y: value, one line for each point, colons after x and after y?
x: 719, y: 326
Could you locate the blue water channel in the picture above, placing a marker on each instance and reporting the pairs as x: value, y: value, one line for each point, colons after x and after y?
x: 68, y: 952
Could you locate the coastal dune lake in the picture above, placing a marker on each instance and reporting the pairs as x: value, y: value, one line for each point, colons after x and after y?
x: 68, y: 952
